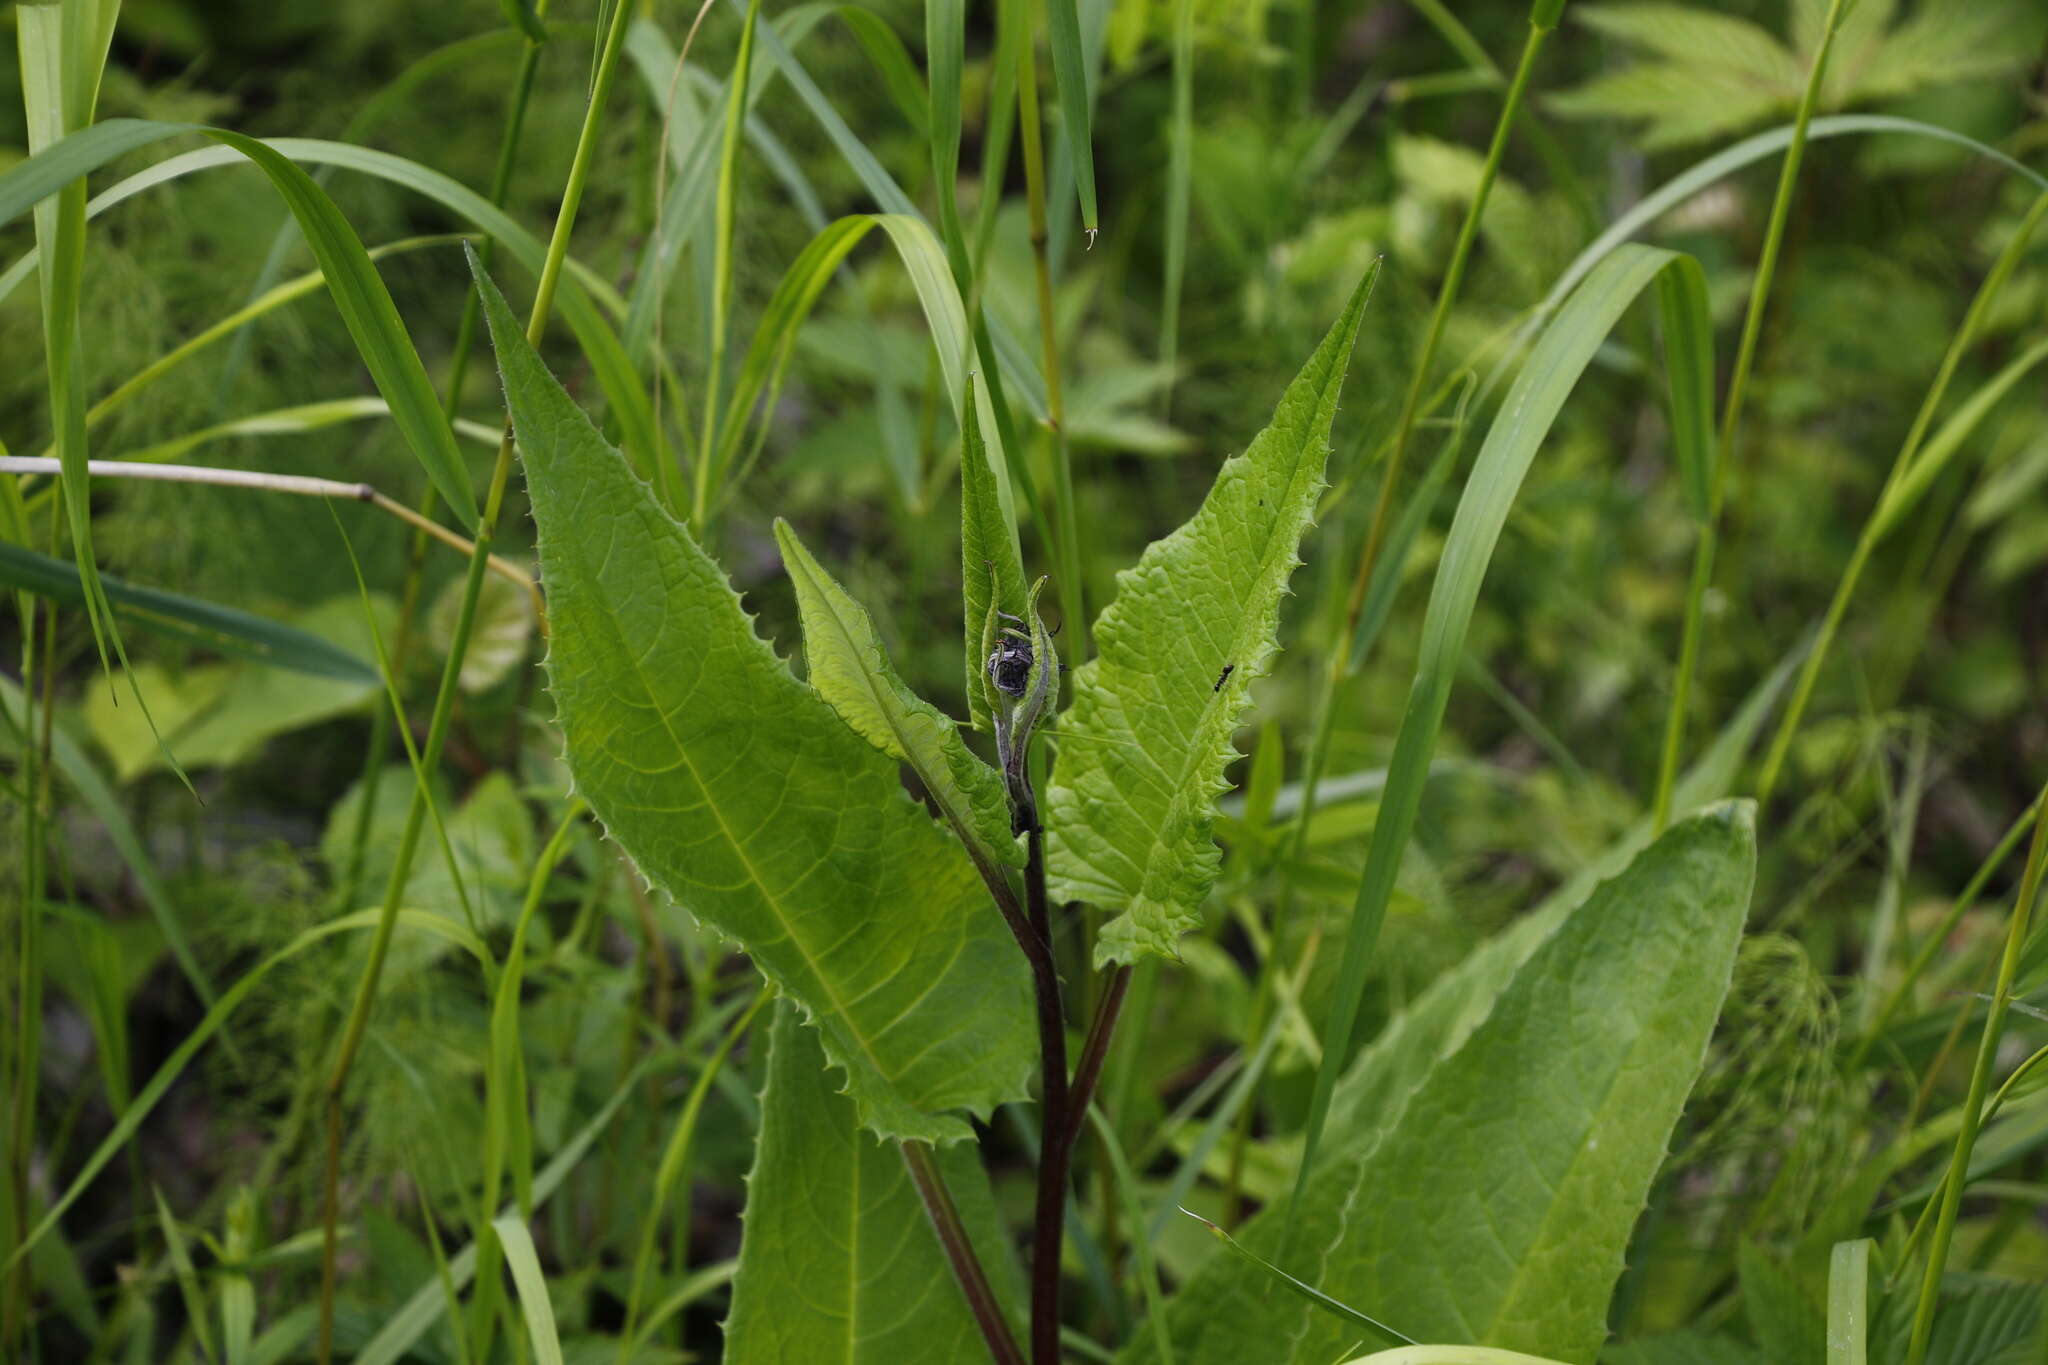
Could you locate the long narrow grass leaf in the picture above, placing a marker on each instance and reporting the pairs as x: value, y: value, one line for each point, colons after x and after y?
x: 207, y: 625
x: 1071, y: 75
x: 1343, y: 1311
x: 173, y: 1066
x: 1560, y: 357
x: 534, y: 1305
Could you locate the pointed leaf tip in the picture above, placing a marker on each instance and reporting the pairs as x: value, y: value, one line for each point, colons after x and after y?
x: 746, y: 799
x: 1148, y: 737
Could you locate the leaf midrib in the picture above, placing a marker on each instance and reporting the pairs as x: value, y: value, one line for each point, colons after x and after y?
x: 1191, y: 752
x: 754, y: 874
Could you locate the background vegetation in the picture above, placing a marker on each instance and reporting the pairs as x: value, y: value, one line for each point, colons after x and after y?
x: 1313, y: 140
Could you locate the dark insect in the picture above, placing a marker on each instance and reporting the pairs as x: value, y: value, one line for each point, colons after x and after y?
x: 1223, y: 677
x: 1009, y: 664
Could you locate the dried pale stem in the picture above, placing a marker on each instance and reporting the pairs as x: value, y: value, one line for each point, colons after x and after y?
x: 296, y: 484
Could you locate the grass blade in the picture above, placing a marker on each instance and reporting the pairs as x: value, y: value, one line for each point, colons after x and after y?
x: 173, y: 1066
x: 207, y: 625
x: 1553, y: 370
x: 1180, y: 160
x: 945, y: 42
x: 1849, y: 1302
x: 93, y: 788
x: 580, y: 291
x: 1315, y: 1296
x: 1071, y: 75
x: 524, y: 1263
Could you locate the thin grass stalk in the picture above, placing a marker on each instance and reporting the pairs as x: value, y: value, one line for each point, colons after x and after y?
x: 458, y: 370
x: 508, y: 1138
x: 1932, y: 1206
x: 723, y: 212
x: 1180, y: 160
x: 437, y: 733
x: 668, y: 1175
x: 27, y: 1029
x: 1879, y: 522
x: 1322, y: 715
x: 1731, y: 420
x: 1411, y: 407
x: 1447, y: 295
x: 1067, y: 536
x: 1965, y: 900
x: 1126, y: 1183
x: 1980, y: 1077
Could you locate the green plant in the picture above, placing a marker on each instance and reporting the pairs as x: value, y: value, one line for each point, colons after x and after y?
x: 554, y: 972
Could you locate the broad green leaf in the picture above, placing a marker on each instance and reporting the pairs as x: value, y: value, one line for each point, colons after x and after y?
x: 988, y: 546
x: 1496, y: 1207
x: 1370, y: 1096
x: 839, y: 1261
x: 742, y: 795
x: 215, y: 715
x: 1143, y: 748
x: 498, y: 636
x: 849, y: 668
x: 204, y: 624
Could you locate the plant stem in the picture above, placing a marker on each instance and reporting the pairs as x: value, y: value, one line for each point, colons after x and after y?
x: 1048, y: 1228
x: 1980, y: 1078
x: 1731, y: 422
x: 437, y: 733
x: 1881, y: 518
x: 981, y: 1300
x: 1411, y: 406
x: 723, y: 211
x: 1068, y: 533
x: 1324, y: 709
x: 1938, y: 935
x: 1094, y: 1050
x: 673, y: 1160
x: 298, y: 484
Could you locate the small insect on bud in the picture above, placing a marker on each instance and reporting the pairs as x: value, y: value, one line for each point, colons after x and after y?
x: 1009, y: 663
